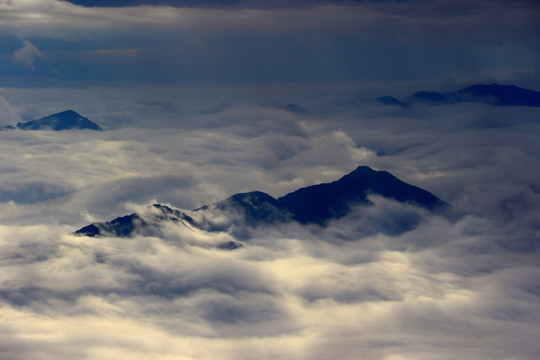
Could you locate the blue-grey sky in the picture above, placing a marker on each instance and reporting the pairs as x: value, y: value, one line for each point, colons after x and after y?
x: 55, y: 43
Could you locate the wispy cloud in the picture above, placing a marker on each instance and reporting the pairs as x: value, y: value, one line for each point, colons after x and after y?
x: 28, y: 54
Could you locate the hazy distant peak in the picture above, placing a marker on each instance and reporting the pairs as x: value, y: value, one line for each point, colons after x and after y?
x: 293, y: 108
x: 494, y: 94
x: 64, y: 120
x: 389, y: 100
x: 505, y: 95
x: 431, y: 96
x: 484, y: 89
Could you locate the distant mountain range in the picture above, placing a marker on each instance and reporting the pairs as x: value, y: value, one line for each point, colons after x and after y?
x: 64, y: 120
x: 293, y: 108
x: 494, y: 94
x: 317, y: 204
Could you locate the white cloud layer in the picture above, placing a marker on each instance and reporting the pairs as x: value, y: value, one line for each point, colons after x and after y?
x: 458, y: 289
x: 290, y: 294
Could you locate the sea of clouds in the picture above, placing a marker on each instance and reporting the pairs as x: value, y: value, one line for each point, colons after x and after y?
x: 460, y: 288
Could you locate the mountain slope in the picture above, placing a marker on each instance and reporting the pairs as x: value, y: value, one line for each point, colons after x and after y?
x: 317, y: 204
x: 493, y: 94
x: 502, y: 95
x: 389, y: 100
x: 145, y: 224
x: 431, y: 97
x: 320, y: 203
x: 64, y: 120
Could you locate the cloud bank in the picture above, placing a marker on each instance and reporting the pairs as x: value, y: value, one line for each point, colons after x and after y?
x: 447, y: 289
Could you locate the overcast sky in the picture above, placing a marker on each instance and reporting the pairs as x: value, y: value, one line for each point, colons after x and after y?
x: 203, y: 99
x: 58, y: 43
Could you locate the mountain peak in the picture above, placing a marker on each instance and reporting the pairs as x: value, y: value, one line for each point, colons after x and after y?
x: 430, y: 96
x: 504, y: 95
x: 492, y: 94
x: 68, y: 112
x: 363, y: 170
x: 389, y: 100
x: 323, y: 202
x: 64, y: 120
x: 255, y: 207
x: 316, y: 204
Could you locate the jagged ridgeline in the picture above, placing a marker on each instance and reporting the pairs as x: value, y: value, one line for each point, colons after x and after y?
x: 317, y: 204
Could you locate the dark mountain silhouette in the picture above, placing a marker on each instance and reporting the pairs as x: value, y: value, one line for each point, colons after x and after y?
x: 519, y: 205
x: 121, y: 226
x: 390, y: 100
x: 253, y: 208
x: 502, y: 95
x: 431, y: 97
x: 293, y: 108
x: 317, y: 204
x: 323, y: 202
x: 126, y: 226
x: 64, y: 120
x: 493, y: 94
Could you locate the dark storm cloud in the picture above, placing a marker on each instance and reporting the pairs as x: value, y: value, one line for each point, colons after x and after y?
x: 363, y: 40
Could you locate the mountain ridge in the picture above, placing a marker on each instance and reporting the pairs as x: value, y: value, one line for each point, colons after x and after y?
x: 493, y: 94
x: 316, y: 204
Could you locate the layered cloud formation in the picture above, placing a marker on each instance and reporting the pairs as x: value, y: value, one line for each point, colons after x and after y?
x: 464, y: 288
x: 202, y: 100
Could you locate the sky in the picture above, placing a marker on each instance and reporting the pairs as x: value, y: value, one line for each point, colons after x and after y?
x: 56, y: 43
x: 195, y: 101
